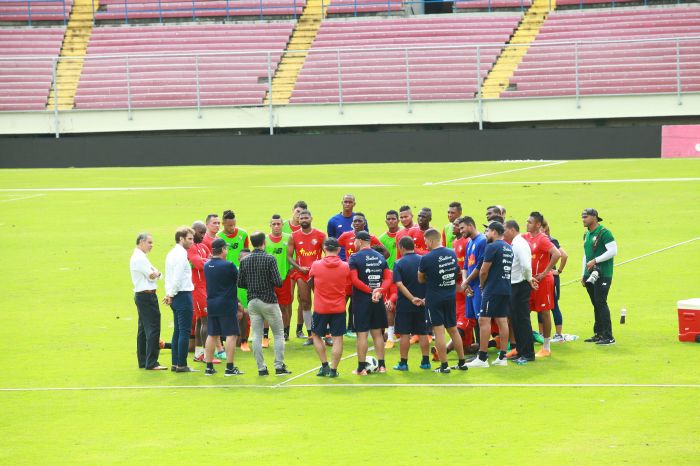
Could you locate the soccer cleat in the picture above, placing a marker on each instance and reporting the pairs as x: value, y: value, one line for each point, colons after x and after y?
x: 282, y: 370
x: 426, y: 366
x: 605, y: 342
x: 300, y: 335
x: 401, y: 367
x: 499, y: 362
x: 415, y: 339
x: 362, y: 372
x: 324, y: 371
x: 308, y: 342
x: 265, y: 342
x: 381, y: 370
x: 199, y: 358
x: 220, y: 354
x: 263, y: 372
x: 512, y: 354
x: 442, y: 370
x: 234, y: 371
x: 208, y: 371
x: 245, y: 347
x: 558, y: 338
x: 537, y: 336
x: 477, y: 363
x: 593, y: 339
x: 434, y: 352
x: 389, y: 344
x: 328, y: 341
x: 458, y: 367
x: 543, y: 353
x: 333, y: 374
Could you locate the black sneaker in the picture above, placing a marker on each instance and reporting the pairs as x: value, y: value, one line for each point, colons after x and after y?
x: 173, y: 368
x: 593, y: 339
x: 185, y: 369
x: 458, y: 367
x: 605, y: 342
x: 324, y: 371
x: 282, y: 371
x: 264, y: 372
x: 333, y: 373
x: 286, y: 336
x: 442, y: 370
x: 234, y: 371
x: 208, y: 371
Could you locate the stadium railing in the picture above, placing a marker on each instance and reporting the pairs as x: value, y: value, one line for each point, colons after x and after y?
x: 34, y: 11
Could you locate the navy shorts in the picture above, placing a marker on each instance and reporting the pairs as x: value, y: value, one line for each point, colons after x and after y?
x: 366, y: 314
x: 321, y: 322
x: 223, y: 326
x: 410, y: 323
x: 441, y: 313
x: 497, y: 305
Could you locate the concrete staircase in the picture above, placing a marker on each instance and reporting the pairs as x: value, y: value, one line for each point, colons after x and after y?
x: 499, y: 77
x: 293, y: 59
x: 75, y: 42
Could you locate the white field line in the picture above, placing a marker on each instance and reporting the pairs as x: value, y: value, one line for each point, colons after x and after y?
x: 135, y: 188
x: 630, y: 180
x: 327, y: 186
x: 352, y: 385
x: 22, y: 198
x: 578, y: 280
x: 429, y: 183
x: 318, y: 367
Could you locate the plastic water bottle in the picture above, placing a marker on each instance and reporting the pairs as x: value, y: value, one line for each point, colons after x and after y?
x: 623, y: 314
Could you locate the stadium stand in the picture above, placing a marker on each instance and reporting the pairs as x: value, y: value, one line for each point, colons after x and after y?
x: 361, y: 7
x: 606, y: 64
x: 436, y: 56
x: 170, y: 9
x: 31, y: 11
x: 26, y: 66
x: 194, y: 64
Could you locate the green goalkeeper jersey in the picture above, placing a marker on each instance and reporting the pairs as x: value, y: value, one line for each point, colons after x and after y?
x: 389, y: 241
x: 235, y: 242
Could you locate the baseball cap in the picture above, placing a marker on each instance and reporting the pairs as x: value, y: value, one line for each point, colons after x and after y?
x: 497, y: 227
x: 218, y: 243
x: 362, y: 235
x: 591, y: 212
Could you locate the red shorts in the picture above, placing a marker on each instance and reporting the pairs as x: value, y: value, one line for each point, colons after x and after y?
x: 295, y: 275
x: 284, y: 293
x: 199, y: 304
x: 542, y: 299
x: 466, y: 326
x: 461, y: 300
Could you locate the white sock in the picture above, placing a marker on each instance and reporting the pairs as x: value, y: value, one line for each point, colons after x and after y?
x: 545, y: 345
x: 198, y: 350
x: 307, y: 320
x: 390, y: 333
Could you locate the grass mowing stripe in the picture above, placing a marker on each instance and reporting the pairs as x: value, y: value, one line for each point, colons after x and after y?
x: 22, y: 198
x: 429, y: 183
x: 576, y: 280
x: 628, y: 180
x: 134, y: 188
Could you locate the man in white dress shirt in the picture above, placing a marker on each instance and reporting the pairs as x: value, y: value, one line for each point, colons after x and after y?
x: 144, y: 277
x: 522, y: 282
x: 178, y: 294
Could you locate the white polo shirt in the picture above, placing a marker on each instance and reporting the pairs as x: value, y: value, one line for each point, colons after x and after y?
x: 522, y: 261
x: 141, y: 268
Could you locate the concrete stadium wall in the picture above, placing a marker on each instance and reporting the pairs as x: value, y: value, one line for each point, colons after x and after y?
x: 414, y: 146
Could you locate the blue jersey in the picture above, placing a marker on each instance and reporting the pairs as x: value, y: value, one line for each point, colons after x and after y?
x: 339, y: 224
x: 406, y: 272
x: 475, y: 257
x: 370, y: 267
x: 222, y: 287
x: 500, y: 255
x: 440, y: 269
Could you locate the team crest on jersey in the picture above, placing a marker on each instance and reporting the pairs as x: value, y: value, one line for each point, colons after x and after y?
x: 594, y: 238
x: 314, y: 241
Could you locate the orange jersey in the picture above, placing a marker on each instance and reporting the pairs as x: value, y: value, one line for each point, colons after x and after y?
x: 308, y: 246
x: 540, y: 246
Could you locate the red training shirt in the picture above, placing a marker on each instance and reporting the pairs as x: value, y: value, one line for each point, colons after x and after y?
x: 331, y: 276
x: 308, y: 246
x: 540, y: 246
x: 347, y: 241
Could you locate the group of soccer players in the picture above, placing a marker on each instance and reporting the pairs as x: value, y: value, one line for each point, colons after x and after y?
x: 414, y: 282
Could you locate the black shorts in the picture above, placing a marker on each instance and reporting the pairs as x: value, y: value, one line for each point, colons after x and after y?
x: 493, y: 306
x: 410, y: 323
x: 223, y: 326
x: 368, y: 315
x: 441, y: 313
x: 321, y: 322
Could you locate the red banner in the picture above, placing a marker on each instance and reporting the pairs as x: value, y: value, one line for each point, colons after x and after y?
x: 680, y: 141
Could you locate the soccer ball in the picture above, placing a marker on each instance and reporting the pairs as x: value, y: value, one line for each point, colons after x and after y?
x: 372, y: 364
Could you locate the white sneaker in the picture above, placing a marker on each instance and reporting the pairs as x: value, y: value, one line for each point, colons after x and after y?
x: 477, y: 363
x: 558, y: 338
x: 568, y: 337
x: 499, y: 362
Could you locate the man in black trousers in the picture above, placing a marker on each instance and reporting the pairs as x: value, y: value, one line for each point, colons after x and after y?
x: 144, y: 277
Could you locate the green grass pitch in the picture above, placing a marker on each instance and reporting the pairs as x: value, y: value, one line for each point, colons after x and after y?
x: 70, y: 322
